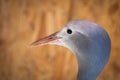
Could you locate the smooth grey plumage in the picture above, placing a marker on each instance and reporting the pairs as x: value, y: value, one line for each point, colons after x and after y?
x: 88, y: 41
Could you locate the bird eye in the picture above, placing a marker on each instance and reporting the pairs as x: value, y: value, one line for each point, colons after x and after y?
x: 69, y: 31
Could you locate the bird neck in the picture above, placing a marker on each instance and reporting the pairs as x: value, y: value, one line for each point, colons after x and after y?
x: 89, y: 66
x: 85, y: 68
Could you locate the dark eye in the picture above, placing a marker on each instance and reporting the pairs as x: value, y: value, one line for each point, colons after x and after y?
x: 69, y: 31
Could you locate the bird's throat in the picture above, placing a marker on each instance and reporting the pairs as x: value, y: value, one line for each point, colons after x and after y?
x: 85, y: 68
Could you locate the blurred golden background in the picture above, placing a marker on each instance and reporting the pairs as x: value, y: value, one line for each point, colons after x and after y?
x: 24, y: 21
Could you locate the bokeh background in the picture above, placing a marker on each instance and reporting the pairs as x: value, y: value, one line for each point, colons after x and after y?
x: 24, y: 21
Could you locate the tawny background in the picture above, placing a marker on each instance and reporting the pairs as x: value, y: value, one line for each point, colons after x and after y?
x: 24, y: 21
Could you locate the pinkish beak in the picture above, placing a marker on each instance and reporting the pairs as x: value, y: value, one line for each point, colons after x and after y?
x: 51, y: 39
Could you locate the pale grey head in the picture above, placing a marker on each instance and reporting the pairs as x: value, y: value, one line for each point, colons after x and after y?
x: 88, y: 41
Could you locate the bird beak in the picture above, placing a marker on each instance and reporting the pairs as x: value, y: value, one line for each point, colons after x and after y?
x: 51, y: 39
